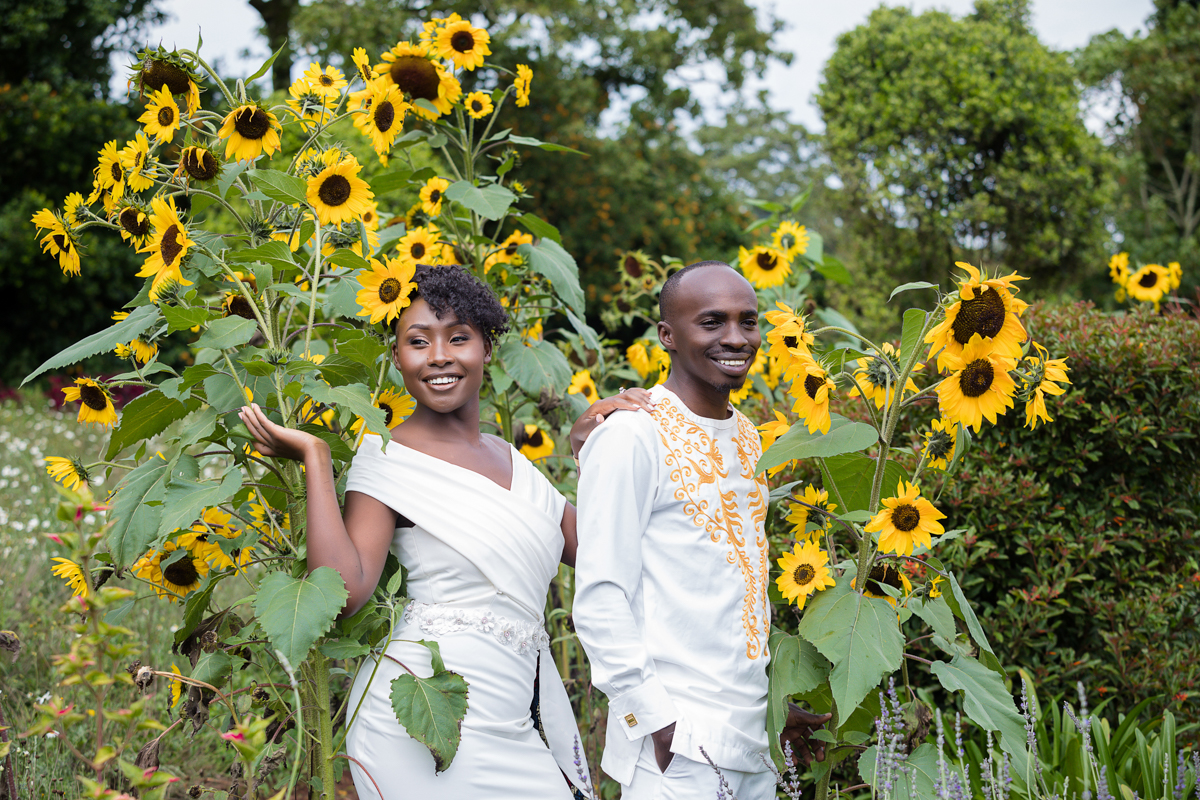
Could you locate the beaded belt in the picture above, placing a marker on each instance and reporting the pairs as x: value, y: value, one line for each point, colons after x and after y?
x: 437, y: 619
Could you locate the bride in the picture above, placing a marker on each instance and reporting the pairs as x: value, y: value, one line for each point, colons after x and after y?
x: 481, y: 532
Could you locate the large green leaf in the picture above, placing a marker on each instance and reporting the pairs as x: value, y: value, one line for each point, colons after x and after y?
x: 905, y: 287
x: 228, y: 332
x: 182, y: 319
x: 490, y: 202
x: 295, y: 612
x: 860, y: 635
x: 431, y: 709
x: 835, y: 270
x: 918, y: 779
x: 186, y: 497
x: 338, y: 370
x: 530, y: 141
x: 961, y: 607
x: 136, y: 510
x: 539, y: 227
x: 987, y: 703
x: 274, y: 253
x: 537, y: 366
x: 360, y: 346
x: 852, y: 474
x: 146, y: 415
x: 279, y: 185
x: 844, y: 436
x: 355, y: 397
x: 796, y: 667
x: 910, y: 336
x: 937, y: 614
x: 123, y: 332
x: 550, y: 260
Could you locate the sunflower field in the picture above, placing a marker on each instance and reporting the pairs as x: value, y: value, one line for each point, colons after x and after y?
x: 279, y: 239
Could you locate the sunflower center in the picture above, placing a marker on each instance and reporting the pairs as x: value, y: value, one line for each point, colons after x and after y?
x: 767, y: 261
x: 166, y: 116
x: 170, y: 246
x: 157, y: 74
x: 325, y: 80
x: 240, y: 307
x: 812, y: 384
x: 115, y: 171
x: 940, y: 444
x: 137, y: 160
x: 385, y: 115
x: 93, y: 397
x: 134, y: 222
x: 59, y: 240
x: 386, y: 408
x: 1148, y: 280
x: 633, y: 267
x: 463, y: 41
x: 476, y: 106
x: 335, y: 190
x: 182, y: 572
x: 417, y: 250
x: 804, y: 574
x: 883, y: 574
x: 251, y: 123
x: 200, y: 164
x: 787, y: 241
x: 389, y: 290
x: 535, y: 440
x: 588, y: 392
x: 435, y: 197
x: 790, y: 341
x: 977, y: 377
x: 415, y: 76
x: 905, y: 517
x: 982, y: 314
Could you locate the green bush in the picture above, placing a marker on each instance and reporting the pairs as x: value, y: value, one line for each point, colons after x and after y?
x: 1084, y: 558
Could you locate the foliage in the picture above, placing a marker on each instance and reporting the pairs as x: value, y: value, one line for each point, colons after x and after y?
x: 1083, y: 560
x: 964, y: 136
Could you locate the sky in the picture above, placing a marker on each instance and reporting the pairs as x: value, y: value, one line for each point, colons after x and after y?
x: 230, y: 31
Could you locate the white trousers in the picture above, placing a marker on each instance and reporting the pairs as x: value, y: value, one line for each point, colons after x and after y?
x: 691, y: 780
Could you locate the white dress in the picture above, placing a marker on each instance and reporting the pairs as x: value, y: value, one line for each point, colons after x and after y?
x: 480, y: 559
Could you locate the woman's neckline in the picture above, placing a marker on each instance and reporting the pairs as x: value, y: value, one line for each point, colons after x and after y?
x: 512, y: 465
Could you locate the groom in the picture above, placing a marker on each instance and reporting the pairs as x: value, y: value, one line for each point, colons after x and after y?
x: 671, y: 584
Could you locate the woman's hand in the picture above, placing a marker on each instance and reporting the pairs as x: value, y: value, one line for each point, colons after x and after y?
x: 275, y: 440
x: 628, y: 399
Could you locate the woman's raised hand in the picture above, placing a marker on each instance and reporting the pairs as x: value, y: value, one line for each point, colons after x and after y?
x: 275, y: 440
x: 628, y: 399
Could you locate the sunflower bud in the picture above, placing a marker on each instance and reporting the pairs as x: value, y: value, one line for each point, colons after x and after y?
x: 195, y: 790
x: 147, y: 757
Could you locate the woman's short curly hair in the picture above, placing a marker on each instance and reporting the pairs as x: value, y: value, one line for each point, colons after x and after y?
x: 452, y: 288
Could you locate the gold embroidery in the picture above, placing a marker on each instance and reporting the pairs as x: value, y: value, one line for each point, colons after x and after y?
x: 694, y: 460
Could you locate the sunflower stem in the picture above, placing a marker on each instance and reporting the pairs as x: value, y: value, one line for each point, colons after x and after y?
x: 312, y: 299
x: 246, y: 293
x: 846, y: 331
x: 822, y: 792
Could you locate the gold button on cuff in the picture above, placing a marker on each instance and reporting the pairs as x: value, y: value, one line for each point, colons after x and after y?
x: 630, y: 720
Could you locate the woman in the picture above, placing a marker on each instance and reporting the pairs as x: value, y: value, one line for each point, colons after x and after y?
x: 481, y: 532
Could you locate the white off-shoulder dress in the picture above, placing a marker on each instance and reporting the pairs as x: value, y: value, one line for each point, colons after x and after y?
x: 480, y: 559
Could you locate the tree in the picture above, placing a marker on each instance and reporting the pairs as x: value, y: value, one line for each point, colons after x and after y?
x: 277, y: 23
x: 962, y: 138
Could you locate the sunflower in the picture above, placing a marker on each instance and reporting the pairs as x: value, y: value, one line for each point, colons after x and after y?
x: 884, y: 575
x: 176, y: 687
x: 362, y: 64
x: 138, y: 349
x: 411, y: 68
x: 790, y: 239
x: 167, y: 70
x: 787, y: 335
x: 349, y: 235
x: 532, y: 334
x: 633, y: 266
x: 370, y: 217
x: 764, y: 266
x: 198, y: 164
x: 985, y: 307
x: 176, y: 579
x: 382, y: 120
x: 396, y: 406
x: 464, y: 44
x: 582, y: 384
x: 135, y: 159
x: 167, y: 247
x: 269, y: 521
x: 1174, y: 274
x: 876, y: 376
x: 1149, y: 284
x: 109, y: 180
x: 804, y: 572
x: 135, y: 225
x: 432, y: 194
x: 639, y: 358
x: 905, y: 521
x: 95, y: 404
x: 1047, y: 374
x: 75, y: 212
x: 812, y: 388
x: 59, y: 241
x: 310, y: 106
x: 533, y: 442
x: 479, y: 105
x: 252, y: 131
x: 70, y: 472
x: 979, y: 385
x: 199, y: 537
x: 386, y: 289
x: 72, y: 573
x: 798, y: 514
x: 773, y: 429
x: 507, y: 254
x: 328, y: 82
x: 161, y: 116
x: 521, y: 83
x: 1118, y: 268
x: 337, y: 194
x: 940, y: 442
x: 419, y: 245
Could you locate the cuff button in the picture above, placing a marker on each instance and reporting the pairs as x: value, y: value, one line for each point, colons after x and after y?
x: 630, y: 720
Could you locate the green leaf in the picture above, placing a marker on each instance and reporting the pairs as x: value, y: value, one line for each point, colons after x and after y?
x: 961, y: 607
x: 585, y: 331
x: 223, y: 393
x: 910, y: 336
x: 768, y: 205
x: 531, y: 142
x: 835, y: 270
x: 227, y: 333
x: 537, y: 366
x: 936, y: 613
x: 539, y: 227
x: 860, y: 635
x: 549, y: 259
x: 796, y: 667
x: 197, y: 426
x: 267, y: 64
x: 338, y: 448
x: 187, y: 497
x: 342, y: 299
x: 987, y: 703
x: 431, y: 710
x: 212, y: 668
x: 355, y: 397
x: 828, y: 316
x: 844, y: 436
x: 123, y: 332
x: 134, y: 519
x: 273, y: 253
x: 295, y: 612
x: 490, y: 202
x: 815, y: 251
x: 360, y: 347
x: 339, y: 370
x: 280, y: 186
x: 341, y: 649
x: 348, y: 259
x: 145, y: 415
x: 390, y: 182
x: 799, y: 200
x: 229, y: 173
x: 182, y: 319
x: 919, y: 779
x: 906, y: 287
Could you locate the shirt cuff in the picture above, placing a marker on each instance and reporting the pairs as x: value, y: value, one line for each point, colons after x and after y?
x: 643, y: 710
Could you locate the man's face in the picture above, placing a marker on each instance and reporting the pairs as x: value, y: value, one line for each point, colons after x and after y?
x: 713, y: 334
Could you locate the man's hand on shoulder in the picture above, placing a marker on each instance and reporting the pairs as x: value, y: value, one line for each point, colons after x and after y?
x: 628, y: 399
x: 662, y: 746
x: 797, y: 732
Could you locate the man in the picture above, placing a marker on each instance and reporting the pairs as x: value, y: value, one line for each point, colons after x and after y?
x: 671, y: 584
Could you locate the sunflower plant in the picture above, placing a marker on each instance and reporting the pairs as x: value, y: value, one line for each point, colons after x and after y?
x: 876, y: 513
x: 1149, y: 283
x: 271, y: 249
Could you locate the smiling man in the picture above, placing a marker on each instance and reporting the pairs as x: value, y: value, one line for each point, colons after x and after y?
x: 672, y: 569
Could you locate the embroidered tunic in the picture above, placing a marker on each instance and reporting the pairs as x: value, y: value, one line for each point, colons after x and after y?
x: 671, y: 583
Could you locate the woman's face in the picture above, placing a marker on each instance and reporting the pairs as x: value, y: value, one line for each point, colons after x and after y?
x: 442, y: 360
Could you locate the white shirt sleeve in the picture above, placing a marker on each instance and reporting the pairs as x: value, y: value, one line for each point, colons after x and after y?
x: 618, y: 484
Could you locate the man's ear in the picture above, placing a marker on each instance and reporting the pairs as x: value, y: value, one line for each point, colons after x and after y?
x: 665, y: 336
